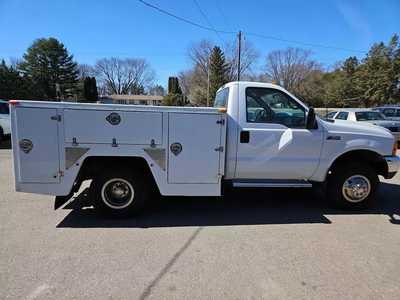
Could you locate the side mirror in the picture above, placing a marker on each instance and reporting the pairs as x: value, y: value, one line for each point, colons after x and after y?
x: 311, y: 122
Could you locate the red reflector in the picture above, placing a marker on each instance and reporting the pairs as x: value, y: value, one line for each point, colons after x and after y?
x: 13, y: 102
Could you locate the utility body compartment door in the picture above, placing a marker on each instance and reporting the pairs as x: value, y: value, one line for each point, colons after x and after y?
x: 196, y: 147
x: 93, y: 127
x: 37, y: 128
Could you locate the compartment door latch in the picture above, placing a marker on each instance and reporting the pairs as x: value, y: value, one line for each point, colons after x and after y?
x: 56, y: 118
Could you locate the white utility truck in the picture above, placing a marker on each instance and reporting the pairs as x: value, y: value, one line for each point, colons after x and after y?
x: 257, y: 135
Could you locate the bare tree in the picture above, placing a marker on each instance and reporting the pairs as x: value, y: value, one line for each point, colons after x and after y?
x: 119, y: 76
x: 85, y: 70
x: 248, y: 58
x: 194, y: 80
x: 157, y: 90
x: 290, y: 67
x: 15, y: 62
x: 185, y: 78
x: 199, y: 54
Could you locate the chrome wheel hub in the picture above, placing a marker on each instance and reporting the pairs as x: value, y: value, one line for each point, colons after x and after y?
x: 356, y: 188
x: 117, y: 193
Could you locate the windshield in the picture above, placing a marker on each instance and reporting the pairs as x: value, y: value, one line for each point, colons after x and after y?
x: 369, y: 116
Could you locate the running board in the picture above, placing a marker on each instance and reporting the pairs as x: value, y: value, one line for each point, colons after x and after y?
x: 277, y: 183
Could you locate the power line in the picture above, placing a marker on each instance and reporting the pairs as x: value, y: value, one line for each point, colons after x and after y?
x: 301, y: 43
x: 182, y: 19
x: 248, y: 33
x: 207, y: 20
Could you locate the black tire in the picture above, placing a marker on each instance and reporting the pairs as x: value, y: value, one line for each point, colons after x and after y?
x: 120, y: 192
x: 361, y: 177
x: 1, y: 135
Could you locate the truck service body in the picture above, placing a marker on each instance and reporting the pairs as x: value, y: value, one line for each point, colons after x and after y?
x: 258, y: 135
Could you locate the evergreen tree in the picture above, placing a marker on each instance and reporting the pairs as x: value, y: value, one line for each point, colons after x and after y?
x: 94, y: 93
x: 378, y: 76
x: 174, y: 97
x: 349, y: 85
x: 87, y: 82
x: 219, y: 72
x: 173, y: 86
x: 51, y: 68
x: 90, y: 89
x: 13, y: 85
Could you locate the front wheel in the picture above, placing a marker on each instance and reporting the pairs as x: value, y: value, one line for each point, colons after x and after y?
x: 120, y: 192
x: 353, y: 186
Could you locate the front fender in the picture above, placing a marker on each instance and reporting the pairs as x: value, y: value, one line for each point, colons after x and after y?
x: 333, y: 149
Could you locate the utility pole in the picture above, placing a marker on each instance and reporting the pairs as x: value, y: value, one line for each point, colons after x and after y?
x: 239, y: 53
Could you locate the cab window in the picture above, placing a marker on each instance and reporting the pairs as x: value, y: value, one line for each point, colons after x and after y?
x: 369, y: 116
x: 389, y: 112
x: 221, y: 98
x: 342, y: 115
x: 265, y: 105
x: 330, y: 115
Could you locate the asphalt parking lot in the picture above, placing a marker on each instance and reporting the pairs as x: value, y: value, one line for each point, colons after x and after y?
x: 253, y: 245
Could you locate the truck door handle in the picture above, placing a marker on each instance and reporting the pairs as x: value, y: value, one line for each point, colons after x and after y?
x: 245, y: 136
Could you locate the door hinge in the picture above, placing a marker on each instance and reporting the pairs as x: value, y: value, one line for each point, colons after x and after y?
x: 59, y: 174
x: 56, y: 118
x: 222, y: 122
x: 219, y: 149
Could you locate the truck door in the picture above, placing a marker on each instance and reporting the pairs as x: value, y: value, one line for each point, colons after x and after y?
x: 273, y: 142
x: 195, y: 152
x: 36, y: 145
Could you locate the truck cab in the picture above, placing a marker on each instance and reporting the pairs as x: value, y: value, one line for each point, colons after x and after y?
x: 258, y: 135
x: 267, y: 135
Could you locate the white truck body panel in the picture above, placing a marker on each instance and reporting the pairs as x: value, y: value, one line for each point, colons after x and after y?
x: 199, y: 132
x: 41, y: 164
x: 356, y: 136
x: 198, y: 162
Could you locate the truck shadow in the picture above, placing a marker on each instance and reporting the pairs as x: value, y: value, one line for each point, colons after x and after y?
x: 244, y: 207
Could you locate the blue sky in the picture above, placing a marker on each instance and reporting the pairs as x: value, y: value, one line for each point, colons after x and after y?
x: 126, y: 28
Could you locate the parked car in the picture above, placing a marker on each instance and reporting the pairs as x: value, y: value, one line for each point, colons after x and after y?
x: 368, y: 116
x: 390, y: 112
x: 330, y: 115
x: 4, y: 120
x: 258, y: 135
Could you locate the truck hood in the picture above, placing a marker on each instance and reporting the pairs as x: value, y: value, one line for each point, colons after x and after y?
x: 350, y: 127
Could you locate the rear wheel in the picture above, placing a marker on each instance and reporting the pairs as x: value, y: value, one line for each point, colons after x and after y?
x: 1, y: 134
x: 120, y: 192
x: 353, y: 186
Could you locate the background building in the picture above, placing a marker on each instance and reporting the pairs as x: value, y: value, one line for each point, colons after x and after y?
x: 132, y: 99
